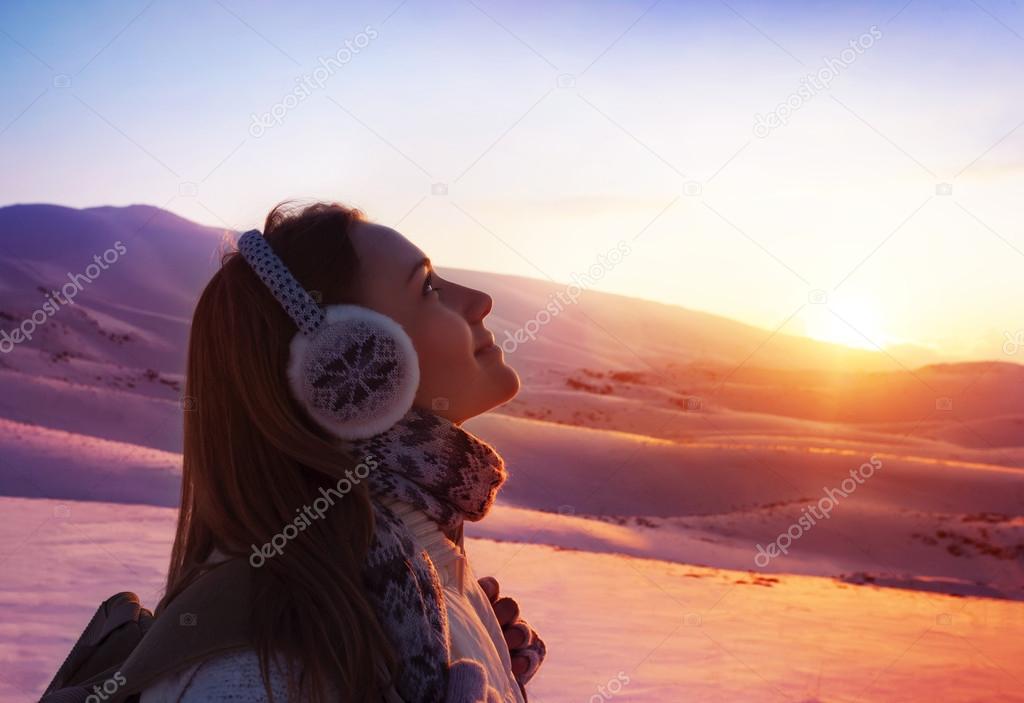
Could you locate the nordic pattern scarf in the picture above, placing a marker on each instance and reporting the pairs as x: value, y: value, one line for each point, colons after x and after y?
x: 436, y: 466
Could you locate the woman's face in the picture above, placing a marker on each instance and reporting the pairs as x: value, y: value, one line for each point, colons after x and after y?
x: 462, y: 372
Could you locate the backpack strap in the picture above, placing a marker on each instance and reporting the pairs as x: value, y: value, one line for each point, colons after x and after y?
x: 209, y: 617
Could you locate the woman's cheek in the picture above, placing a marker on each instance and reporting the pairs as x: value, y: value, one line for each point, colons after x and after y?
x: 445, y: 357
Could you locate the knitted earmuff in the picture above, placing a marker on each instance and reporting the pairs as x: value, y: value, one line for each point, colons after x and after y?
x: 354, y: 369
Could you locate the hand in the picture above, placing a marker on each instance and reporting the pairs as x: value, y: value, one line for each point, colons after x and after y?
x: 526, y: 649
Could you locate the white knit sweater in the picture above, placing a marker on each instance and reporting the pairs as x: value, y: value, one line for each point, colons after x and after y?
x: 474, y: 630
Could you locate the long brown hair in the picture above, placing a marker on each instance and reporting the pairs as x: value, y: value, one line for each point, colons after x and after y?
x: 252, y: 458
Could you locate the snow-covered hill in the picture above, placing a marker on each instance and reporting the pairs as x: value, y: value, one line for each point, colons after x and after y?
x: 652, y: 450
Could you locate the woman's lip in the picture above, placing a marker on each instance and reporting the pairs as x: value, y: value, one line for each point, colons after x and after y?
x: 486, y: 349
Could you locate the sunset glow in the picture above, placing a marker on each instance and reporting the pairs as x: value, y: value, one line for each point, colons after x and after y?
x: 746, y: 153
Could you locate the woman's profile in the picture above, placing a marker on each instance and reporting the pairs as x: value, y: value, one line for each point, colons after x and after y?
x: 330, y: 369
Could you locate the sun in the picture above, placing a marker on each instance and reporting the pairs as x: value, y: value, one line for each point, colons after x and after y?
x: 852, y: 323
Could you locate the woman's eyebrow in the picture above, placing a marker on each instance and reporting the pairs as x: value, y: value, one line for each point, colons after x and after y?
x: 425, y: 261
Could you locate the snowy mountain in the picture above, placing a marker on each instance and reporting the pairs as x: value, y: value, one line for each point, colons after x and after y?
x: 651, y: 451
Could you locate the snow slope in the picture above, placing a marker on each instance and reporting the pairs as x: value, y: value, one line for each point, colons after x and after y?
x: 651, y: 450
x: 711, y: 503
x: 616, y: 627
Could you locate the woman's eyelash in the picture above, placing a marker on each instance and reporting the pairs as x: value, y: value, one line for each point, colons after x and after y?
x: 428, y: 284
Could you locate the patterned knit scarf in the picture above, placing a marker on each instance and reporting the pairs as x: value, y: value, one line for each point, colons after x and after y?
x: 437, y: 467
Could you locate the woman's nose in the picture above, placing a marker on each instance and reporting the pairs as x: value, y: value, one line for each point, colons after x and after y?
x: 474, y: 304
x: 480, y: 306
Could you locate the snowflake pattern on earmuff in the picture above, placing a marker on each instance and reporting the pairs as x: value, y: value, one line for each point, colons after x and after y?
x: 363, y: 368
x: 350, y: 368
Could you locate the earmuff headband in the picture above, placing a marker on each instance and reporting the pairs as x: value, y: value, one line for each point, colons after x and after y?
x: 299, y: 304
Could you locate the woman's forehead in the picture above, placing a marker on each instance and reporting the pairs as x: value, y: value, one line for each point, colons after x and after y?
x: 383, y: 250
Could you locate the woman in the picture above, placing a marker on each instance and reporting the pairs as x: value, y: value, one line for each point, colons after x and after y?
x: 368, y: 596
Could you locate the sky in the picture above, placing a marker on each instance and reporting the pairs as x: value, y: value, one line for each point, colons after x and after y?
x: 847, y: 171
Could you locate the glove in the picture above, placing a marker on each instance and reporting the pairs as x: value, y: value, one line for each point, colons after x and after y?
x: 525, y: 647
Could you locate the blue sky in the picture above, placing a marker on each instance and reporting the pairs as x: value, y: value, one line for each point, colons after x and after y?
x: 560, y: 129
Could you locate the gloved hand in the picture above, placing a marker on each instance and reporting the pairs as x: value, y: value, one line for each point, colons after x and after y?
x: 525, y: 647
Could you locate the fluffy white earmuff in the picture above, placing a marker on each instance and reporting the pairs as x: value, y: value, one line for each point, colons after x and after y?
x: 354, y: 370
x: 358, y: 373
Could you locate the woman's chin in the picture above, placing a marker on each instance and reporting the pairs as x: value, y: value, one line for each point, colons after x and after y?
x: 507, y: 380
x: 500, y: 386
x: 495, y: 383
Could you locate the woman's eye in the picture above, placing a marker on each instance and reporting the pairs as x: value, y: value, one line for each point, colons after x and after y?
x: 428, y: 285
